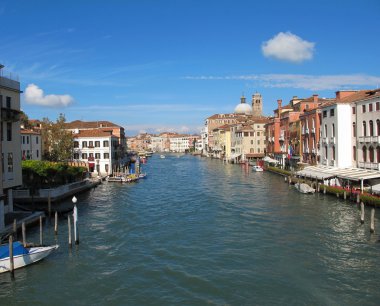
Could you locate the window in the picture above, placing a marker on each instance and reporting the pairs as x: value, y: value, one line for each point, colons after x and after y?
x: 37, y: 153
x: 354, y: 129
x: 2, y: 162
x: 377, y: 106
x: 378, y: 154
x: 97, y: 155
x: 370, y: 128
x: 326, y: 152
x: 97, y: 144
x: 370, y: 107
x: 258, y: 142
x: 106, y: 167
x: 27, y: 139
x: 378, y: 127
x: 90, y: 144
x: 252, y: 134
x: 333, y: 152
x: 354, y: 152
x: 363, y: 109
x: 353, y: 110
x: 364, y: 153
x: 251, y: 142
x: 251, y: 150
x: 258, y: 150
x: 246, y: 134
x: 10, y: 162
x: 371, y: 154
x: 364, y: 128
x: 324, y: 114
x: 36, y: 139
x: 325, y: 130
x: 8, y: 99
x: 258, y: 133
x: 106, y: 155
x: 76, y: 144
x: 23, y: 139
x: 332, y: 112
x: 84, y: 144
x: 333, y: 130
x: 76, y: 155
x: 9, y: 131
x: 84, y: 155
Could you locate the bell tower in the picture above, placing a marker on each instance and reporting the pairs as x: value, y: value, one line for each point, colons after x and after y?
x: 257, y: 105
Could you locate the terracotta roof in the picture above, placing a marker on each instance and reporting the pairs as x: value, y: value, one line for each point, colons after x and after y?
x: 361, y: 95
x: 24, y: 131
x: 78, y: 124
x: 93, y: 133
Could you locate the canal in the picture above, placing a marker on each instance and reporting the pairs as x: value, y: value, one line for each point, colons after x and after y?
x: 199, y: 232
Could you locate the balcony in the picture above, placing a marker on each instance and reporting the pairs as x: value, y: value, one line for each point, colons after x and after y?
x: 369, y: 139
x: 305, y: 149
x: 11, y: 115
x: 369, y: 165
x: 325, y: 140
x: 332, y: 140
x: 307, y: 131
x: 313, y: 130
x: 332, y: 163
x: 324, y: 162
x: 314, y: 151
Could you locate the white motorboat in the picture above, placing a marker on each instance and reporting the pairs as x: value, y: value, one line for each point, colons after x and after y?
x: 257, y: 168
x: 162, y: 156
x: 304, y: 188
x: 23, y: 256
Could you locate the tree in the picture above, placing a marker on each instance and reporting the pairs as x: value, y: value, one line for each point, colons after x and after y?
x: 57, y: 141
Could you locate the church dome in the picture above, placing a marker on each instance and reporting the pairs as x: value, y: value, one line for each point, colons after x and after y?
x: 243, y: 108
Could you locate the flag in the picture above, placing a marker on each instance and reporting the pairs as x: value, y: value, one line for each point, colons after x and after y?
x: 290, y: 152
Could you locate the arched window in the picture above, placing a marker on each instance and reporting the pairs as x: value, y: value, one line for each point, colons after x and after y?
x: 378, y: 154
x: 326, y: 152
x: 354, y: 129
x: 364, y: 153
x: 325, y: 130
x: 378, y: 127
x: 370, y: 128
x: 354, y: 153
x: 371, y: 154
x: 333, y: 130
x: 364, y: 128
x: 333, y: 152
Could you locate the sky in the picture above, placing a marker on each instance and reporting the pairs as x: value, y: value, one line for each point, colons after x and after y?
x: 155, y: 66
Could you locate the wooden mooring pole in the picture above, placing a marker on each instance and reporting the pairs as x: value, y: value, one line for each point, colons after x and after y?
x: 15, y: 228
x: 56, y: 223
x: 372, y: 229
x: 23, y: 234
x: 362, y: 213
x: 11, y: 262
x: 49, y: 206
x: 75, y: 223
x: 69, y: 229
x: 41, y: 232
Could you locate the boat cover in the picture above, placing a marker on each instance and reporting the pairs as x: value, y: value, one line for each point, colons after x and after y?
x: 18, y: 249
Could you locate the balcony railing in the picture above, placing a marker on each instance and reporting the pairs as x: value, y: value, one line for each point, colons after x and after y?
x: 324, y: 162
x: 325, y: 140
x: 332, y: 163
x: 369, y: 165
x: 332, y: 140
x: 369, y: 139
x: 11, y: 115
x: 307, y: 130
x: 313, y: 130
x: 314, y: 151
x: 305, y: 149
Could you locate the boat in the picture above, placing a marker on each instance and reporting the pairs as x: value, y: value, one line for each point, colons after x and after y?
x: 116, y: 179
x: 257, y: 168
x: 162, y: 156
x: 304, y: 188
x: 142, y: 175
x: 23, y: 256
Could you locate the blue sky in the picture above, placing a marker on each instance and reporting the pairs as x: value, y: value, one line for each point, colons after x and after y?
x: 167, y: 65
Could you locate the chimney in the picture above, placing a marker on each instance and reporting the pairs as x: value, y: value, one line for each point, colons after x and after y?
x: 315, y: 98
x: 279, y: 102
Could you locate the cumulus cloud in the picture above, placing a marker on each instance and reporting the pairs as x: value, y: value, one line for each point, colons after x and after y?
x: 304, y: 81
x: 35, y: 95
x: 288, y: 47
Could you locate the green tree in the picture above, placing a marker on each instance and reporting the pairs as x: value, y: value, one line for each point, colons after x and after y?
x: 57, y: 141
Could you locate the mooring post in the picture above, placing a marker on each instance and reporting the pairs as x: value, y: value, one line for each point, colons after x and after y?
x: 372, y: 229
x: 11, y: 262
x: 23, y: 234
x: 362, y: 213
x: 15, y: 228
x: 56, y: 223
x: 344, y: 195
x: 358, y: 198
x: 69, y: 229
x: 324, y: 189
x: 75, y: 223
x: 49, y: 206
x: 41, y: 232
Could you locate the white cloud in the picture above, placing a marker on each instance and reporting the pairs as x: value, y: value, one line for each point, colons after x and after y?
x: 35, y: 95
x: 288, y: 47
x: 304, y: 81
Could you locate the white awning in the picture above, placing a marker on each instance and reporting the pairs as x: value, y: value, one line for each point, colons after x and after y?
x: 235, y: 155
x: 324, y: 172
x: 270, y: 160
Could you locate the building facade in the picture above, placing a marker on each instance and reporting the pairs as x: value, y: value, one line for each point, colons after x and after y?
x: 31, y: 144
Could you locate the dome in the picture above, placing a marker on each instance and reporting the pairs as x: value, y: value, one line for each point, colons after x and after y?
x: 243, y: 108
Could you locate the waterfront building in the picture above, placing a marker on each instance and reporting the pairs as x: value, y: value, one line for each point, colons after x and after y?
x: 157, y: 143
x: 31, y: 144
x: 180, y: 143
x: 99, y: 150
x: 10, y: 146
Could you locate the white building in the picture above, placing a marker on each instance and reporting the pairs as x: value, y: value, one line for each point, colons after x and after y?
x: 31, y: 147
x: 10, y: 147
x: 157, y: 144
x: 97, y: 148
x: 179, y: 144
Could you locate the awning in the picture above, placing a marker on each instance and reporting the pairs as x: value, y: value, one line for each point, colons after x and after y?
x: 324, y: 172
x: 270, y: 160
x: 233, y: 156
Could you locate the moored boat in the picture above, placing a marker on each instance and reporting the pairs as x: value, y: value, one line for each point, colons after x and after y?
x: 257, y: 168
x: 23, y: 256
x: 304, y: 188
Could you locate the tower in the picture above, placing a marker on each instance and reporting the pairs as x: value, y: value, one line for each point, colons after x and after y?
x: 257, y: 105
